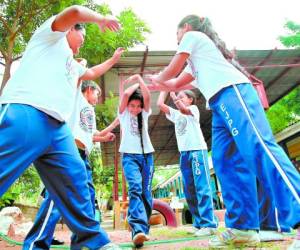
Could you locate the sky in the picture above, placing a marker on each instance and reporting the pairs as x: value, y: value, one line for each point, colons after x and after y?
x: 242, y: 24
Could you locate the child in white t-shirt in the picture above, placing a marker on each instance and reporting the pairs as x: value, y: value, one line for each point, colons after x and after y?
x: 36, y: 103
x: 243, y: 146
x: 137, y: 158
x: 83, y: 127
x: 193, y: 159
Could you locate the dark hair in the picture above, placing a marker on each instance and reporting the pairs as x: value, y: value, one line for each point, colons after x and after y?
x: 79, y: 26
x: 190, y: 94
x: 89, y: 85
x: 204, y: 25
x: 137, y: 95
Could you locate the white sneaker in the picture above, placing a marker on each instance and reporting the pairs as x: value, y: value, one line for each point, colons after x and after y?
x: 295, y: 245
x: 147, y: 237
x: 270, y: 236
x: 192, y: 230
x: 110, y: 246
x: 235, y: 237
x: 205, y: 231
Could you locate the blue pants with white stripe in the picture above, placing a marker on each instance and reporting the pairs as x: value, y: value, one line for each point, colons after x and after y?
x: 138, y: 171
x: 28, y: 135
x: 41, y: 234
x: 196, y: 185
x: 240, y: 130
x: 268, y: 213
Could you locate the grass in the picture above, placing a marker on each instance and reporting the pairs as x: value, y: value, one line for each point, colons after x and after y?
x: 261, y: 246
x: 170, y: 233
x: 166, y: 233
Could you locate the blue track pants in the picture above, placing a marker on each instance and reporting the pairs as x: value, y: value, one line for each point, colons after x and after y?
x: 196, y: 184
x: 240, y: 131
x: 28, y: 135
x: 138, y: 171
x: 41, y: 234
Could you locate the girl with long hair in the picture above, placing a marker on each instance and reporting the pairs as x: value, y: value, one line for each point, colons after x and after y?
x: 242, y: 141
x: 137, y: 158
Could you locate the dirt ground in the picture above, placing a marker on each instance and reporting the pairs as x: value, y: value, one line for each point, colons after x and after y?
x: 162, y: 238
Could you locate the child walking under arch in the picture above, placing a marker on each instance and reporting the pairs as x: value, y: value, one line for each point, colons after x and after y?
x: 193, y: 159
x: 137, y: 158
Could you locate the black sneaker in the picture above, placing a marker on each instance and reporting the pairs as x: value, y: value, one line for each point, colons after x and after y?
x: 139, y: 238
x: 57, y: 242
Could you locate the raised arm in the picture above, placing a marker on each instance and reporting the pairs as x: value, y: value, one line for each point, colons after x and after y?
x: 98, y: 70
x: 145, y: 91
x: 125, y: 97
x: 174, y: 68
x: 79, y: 14
x: 180, y: 105
x: 182, y: 82
x: 161, y: 103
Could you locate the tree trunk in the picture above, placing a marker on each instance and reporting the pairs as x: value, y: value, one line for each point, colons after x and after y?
x: 6, y: 75
x: 8, y: 61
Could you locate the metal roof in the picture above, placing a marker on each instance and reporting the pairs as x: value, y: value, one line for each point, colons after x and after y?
x: 278, y: 69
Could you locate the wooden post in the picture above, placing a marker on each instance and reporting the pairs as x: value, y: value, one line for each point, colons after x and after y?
x: 178, y: 213
x: 124, y: 190
x: 117, y: 221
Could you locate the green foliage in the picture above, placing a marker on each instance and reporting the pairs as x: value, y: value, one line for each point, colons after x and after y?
x: 292, y: 39
x: 8, y: 198
x: 285, y: 112
x: 26, y: 188
x: 106, y: 112
x: 162, y: 174
x: 19, y: 19
x: 100, y: 46
x: 103, y: 176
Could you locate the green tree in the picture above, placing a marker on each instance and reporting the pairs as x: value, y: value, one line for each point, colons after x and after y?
x: 26, y: 189
x: 287, y: 110
x: 107, y: 111
x: 103, y: 175
x: 20, y: 18
x: 292, y: 39
x: 99, y: 46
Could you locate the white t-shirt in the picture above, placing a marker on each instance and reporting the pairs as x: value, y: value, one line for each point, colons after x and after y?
x: 83, y: 121
x: 187, y: 129
x: 130, y: 141
x: 207, y: 65
x: 47, y: 76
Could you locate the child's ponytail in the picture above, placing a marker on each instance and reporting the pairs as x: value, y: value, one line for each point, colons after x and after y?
x: 140, y: 127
